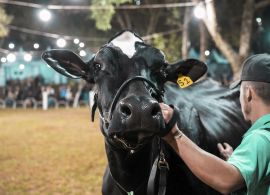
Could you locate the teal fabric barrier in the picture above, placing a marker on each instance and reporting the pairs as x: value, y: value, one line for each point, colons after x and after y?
x: 20, y: 69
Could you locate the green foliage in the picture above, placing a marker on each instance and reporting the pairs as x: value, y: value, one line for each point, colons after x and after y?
x: 4, y: 21
x: 103, y: 17
x: 170, y: 45
x: 175, y: 17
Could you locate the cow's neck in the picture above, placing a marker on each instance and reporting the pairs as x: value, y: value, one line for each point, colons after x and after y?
x: 132, y: 171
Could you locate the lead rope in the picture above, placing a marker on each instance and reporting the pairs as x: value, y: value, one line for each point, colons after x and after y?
x: 163, y: 166
x: 160, y: 161
x: 122, y: 188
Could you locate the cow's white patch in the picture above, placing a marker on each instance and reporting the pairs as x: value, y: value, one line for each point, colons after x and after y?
x: 126, y: 42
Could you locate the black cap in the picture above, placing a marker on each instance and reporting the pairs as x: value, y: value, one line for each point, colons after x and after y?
x: 255, y: 68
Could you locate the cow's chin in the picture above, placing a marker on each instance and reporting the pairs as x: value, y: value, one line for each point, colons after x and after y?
x: 134, y: 135
x: 132, y: 140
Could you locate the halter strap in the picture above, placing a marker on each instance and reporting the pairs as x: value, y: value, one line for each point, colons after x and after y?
x: 158, y: 92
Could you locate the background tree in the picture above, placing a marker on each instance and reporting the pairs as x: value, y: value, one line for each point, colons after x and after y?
x: 103, y: 17
x: 4, y: 21
x: 235, y: 58
x: 235, y: 48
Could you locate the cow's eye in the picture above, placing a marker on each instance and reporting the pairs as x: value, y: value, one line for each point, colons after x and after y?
x: 97, y: 66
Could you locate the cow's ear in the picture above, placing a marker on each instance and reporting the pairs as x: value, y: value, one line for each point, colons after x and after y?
x: 66, y: 63
x: 185, y: 72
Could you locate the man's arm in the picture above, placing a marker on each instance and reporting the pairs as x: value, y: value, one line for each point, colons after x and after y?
x: 210, y: 169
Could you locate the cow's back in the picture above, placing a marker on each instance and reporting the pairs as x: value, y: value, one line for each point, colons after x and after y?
x: 209, y: 113
x: 208, y: 109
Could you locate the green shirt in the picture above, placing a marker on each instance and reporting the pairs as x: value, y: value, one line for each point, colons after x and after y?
x: 252, y: 157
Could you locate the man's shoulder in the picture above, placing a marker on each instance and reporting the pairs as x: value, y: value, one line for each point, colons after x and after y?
x: 260, y: 134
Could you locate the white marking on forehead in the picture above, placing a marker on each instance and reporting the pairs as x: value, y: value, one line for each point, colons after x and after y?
x: 126, y: 42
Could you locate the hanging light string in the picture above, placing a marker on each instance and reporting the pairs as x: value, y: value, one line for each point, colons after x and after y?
x: 154, y: 35
x: 90, y: 7
x: 67, y: 37
x: 52, y: 35
x: 125, y: 7
x: 94, y: 7
x: 145, y: 38
x: 5, y: 51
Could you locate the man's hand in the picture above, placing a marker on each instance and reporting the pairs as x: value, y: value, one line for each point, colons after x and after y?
x: 167, y: 112
x: 225, y: 150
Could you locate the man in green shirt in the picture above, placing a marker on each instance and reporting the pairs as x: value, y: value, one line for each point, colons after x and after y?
x: 249, y: 164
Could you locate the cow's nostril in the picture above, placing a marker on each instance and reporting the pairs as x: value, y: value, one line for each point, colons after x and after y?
x: 125, y: 110
x: 155, y: 110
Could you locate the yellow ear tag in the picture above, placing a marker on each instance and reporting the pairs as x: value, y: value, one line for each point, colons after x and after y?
x: 184, y: 81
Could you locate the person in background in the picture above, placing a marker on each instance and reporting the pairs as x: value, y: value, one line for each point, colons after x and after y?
x: 45, y: 94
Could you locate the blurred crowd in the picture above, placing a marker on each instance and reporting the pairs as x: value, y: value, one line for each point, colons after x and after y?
x: 32, y: 92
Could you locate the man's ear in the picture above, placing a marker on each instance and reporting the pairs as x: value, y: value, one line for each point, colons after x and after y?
x: 185, y: 72
x: 249, y: 93
x: 66, y: 63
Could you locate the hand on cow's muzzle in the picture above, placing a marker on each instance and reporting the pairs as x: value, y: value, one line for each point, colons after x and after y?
x: 170, y: 115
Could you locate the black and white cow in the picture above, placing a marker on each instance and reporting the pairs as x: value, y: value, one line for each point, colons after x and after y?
x: 131, y: 78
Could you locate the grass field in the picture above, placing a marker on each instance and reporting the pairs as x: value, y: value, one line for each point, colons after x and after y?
x: 58, y: 151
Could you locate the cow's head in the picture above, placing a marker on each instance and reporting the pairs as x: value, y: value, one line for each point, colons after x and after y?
x: 134, y: 116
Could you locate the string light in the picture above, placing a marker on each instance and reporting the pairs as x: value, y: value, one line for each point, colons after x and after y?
x: 21, y: 66
x: 137, y: 2
x: 27, y: 57
x: 81, y: 44
x: 36, y: 45
x: 199, y: 11
x: 11, y: 46
x: 258, y: 20
x: 11, y: 57
x: 76, y: 41
x: 3, y: 60
x: 45, y: 15
x: 207, y: 53
x: 82, y: 53
x: 61, y: 42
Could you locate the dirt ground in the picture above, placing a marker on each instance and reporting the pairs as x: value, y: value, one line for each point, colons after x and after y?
x: 58, y: 151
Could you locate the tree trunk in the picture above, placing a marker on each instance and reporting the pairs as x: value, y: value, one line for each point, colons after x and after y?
x: 262, y: 4
x: 185, y: 33
x: 225, y: 48
x: 245, y: 35
x: 203, y: 41
x: 127, y: 19
x: 234, y: 58
x: 120, y: 20
x: 153, y: 19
